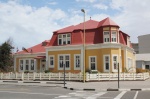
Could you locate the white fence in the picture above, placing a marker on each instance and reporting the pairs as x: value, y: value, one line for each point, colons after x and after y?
x: 74, y: 76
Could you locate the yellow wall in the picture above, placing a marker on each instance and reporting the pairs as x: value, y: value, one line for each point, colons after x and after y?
x: 71, y: 52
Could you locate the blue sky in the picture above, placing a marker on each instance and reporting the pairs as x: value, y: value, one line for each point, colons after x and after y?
x: 29, y: 22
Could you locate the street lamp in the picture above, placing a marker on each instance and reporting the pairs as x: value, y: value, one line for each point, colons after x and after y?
x: 83, y: 47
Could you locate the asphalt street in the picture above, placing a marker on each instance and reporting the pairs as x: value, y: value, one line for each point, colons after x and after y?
x: 39, y: 92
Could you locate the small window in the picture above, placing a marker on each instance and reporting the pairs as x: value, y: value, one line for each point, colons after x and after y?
x: 106, y: 63
x: 32, y: 64
x: 93, y: 63
x: 147, y: 67
x: 64, y: 39
x: 64, y: 60
x: 51, y: 58
x: 21, y: 64
x: 27, y: 64
x: 77, y: 61
x: 113, y: 37
x: 106, y: 36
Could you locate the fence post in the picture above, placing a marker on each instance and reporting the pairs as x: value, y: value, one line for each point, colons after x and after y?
x: 98, y: 76
x: 28, y: 76
x: 16, y: 75
x: 33, y: 75
x: 123, y: 76
x: 143, y: 76
x: 69, y: 76
x: 40, y: 75
x: 109, y: 76
x: 49, y: 76
x: 9, y: 75
x: 134, y: 76
x: 87, y: 76
x: 22, y: 76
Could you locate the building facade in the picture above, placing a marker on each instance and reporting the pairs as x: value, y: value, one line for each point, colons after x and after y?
x: 105, y: 47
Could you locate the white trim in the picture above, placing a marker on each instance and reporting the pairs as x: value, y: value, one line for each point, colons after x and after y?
x: 90, y: 62
x: 117, y: 61
x: 106, y: 37
x: 51, y: 66
x: 65, y: 61
x: 77, y: 68
x: 19, y: 65
x: 104, y: 62
x: 115, y: 36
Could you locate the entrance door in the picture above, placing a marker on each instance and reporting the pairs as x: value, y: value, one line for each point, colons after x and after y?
x: 43, y: 65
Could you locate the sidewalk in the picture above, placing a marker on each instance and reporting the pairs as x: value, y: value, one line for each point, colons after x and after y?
x: 104, y: 85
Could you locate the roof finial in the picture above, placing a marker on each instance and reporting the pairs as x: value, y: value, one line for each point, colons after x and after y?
x: 90, y: 18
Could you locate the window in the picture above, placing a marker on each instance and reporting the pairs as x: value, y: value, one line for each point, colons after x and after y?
x: 106, y: 37
x: 147, y: 67
x: 32, y: 64
x: 64, y: 60
x: 64, y: 39
x: 21, y: 64
x: 106, y: 63
x: 114, y: 62
x: 129, y: 63
x: 92, y: 62
x: 113, y: 37
x: 77, y: 62
x: 27, y: 64
x: 51, y: 58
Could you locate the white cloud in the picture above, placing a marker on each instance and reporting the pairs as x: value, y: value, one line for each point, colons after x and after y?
x: 100, y: 6
x: 28, y: 25
x: 91, y: 1
x: 52, y: 3
x: 134, y: 17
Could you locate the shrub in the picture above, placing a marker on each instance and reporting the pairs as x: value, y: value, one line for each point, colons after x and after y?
x: 26, y: 71
x: 46, y: 71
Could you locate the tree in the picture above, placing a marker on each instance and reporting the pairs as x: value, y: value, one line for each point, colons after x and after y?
x: 6, y: 58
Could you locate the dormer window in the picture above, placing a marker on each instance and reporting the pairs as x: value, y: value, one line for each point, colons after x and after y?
x: 64, y: 39
x: 106, y: 36
x: 114, y: 37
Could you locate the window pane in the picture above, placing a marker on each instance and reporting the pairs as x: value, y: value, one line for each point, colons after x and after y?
x: 67, y: 64
x: 32, y: 64
x: 107, y: 66
x: 60, y: 41
x: 68, y: 35
x: 21, y: 64
x: 93, y: 66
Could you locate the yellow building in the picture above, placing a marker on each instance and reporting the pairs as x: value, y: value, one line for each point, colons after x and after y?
x: 105, y: 47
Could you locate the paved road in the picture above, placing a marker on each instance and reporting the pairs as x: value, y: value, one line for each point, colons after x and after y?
x: 38, y: 92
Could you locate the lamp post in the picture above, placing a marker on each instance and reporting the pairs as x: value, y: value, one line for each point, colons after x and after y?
x: 83, y: 46
x: 118, y: 75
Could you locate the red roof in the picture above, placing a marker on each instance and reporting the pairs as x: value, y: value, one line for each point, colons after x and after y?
x: 35, y: 49
x: 107, y: 22
x: 90, y: 24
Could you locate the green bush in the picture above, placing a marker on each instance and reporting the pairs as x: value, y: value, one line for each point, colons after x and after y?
x: 46, y: 71
x: 26, y: 71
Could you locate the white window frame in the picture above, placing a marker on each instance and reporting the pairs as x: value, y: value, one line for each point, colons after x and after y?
x: 64, y: 38
x: 113, y: 69
x: 114, y: 36
x: 20, y: 64
x: 130, y: 63
x: 75, y: 60
x: 104, y: 63
x: 28, y: 64
x: 64, y: 61
x: 31, y: 65
x: 92, y: 62
x: 107, y: 37
x: 51, y: 66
